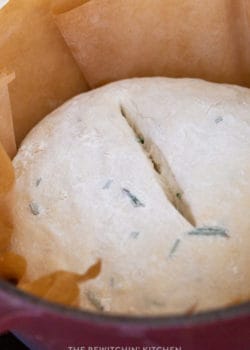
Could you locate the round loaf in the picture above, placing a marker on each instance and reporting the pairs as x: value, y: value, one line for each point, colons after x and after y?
x: 150, y: 175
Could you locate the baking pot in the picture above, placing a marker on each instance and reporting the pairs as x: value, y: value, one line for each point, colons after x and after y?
x: 45, y: 326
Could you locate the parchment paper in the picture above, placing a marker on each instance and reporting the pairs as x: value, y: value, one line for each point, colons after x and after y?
x: 12, y: 266
x: 32, y: 47
x: 7, y: 136
x: 119, y: 39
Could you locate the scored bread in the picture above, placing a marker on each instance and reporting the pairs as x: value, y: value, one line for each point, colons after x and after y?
x: 151, y: 176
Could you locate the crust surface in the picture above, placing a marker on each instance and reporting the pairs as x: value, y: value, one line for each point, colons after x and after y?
x: 152, y: 176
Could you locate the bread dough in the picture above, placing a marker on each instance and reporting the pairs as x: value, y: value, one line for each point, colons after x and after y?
x: 152, y: 176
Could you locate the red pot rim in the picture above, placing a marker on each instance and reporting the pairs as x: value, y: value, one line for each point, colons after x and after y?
x: 222, y: 314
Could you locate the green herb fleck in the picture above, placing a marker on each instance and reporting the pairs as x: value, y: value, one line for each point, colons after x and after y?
x: 94, y: 301
x: 141, y: 140
x: 174, y: 247
x: 154, y: 302
x: 218, y: 120
x: 107, y: 185
x: 38, y: 181
x: 134, y: 234
x: 178, y: 195
x: 157, y: 303
x: 134, y: 200
x: 209, y: 231
x: 34, y: 208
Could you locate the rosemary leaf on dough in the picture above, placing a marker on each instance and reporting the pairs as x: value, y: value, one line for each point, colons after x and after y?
x: 174, y: 247
x: 209, y: 231
x: 134, y: 200
x: 34, y: 208
x: 93, y: 299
